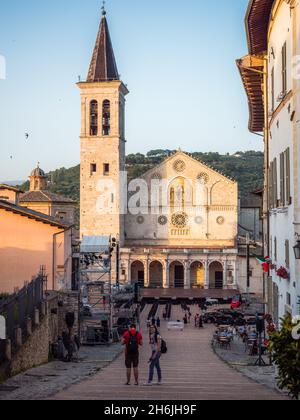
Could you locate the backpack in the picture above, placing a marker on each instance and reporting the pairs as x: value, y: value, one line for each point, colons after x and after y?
x: 164, y: 348
x: 132, y: 346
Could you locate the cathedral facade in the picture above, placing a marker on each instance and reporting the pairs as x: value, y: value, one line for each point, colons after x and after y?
x: 177, y: 226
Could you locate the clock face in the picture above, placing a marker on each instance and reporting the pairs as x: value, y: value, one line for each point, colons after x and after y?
x: 180, y: 220
x: 179, y: 166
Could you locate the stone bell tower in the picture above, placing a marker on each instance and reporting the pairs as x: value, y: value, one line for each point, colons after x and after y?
x: 102, y: 142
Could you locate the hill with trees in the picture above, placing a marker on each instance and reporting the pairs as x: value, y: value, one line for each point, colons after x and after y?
x: 244, y: 167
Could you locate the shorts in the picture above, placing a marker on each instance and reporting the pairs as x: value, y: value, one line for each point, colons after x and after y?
x: 132, y: 360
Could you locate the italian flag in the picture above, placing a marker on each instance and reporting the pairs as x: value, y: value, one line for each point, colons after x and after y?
x: 264, y: 262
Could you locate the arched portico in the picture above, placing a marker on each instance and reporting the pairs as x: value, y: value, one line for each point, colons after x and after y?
x: 138, y: 273
x: 156, y: 274
x: 197, y: 271
x: 216, y: 275
x: 177, y: 275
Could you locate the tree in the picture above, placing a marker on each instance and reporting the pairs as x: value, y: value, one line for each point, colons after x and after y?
x: 285, y: 352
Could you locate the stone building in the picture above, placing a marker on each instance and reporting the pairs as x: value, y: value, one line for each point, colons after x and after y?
x: 40, y: 199
x: 270, y: 73
x: 177, y: 225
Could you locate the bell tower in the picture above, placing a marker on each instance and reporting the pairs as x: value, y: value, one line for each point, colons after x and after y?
x: 102, y: 142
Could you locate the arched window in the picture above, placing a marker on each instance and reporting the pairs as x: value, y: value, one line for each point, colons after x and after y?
x: 94, y: 118
x: 106, y: 118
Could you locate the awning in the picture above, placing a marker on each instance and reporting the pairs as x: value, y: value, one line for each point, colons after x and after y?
x: 95, y: 245
x: 251, y: 70
x: 257, y: 24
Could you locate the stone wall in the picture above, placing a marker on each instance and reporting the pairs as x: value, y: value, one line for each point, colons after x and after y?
x: 43, y: 331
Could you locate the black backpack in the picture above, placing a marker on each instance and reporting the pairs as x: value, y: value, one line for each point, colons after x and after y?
x: 133, y: 347
x: 164, y: 348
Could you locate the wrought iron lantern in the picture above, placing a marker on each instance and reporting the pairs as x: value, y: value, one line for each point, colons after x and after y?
x: 297, y: 248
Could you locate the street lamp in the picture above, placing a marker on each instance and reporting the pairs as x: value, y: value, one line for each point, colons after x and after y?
x: 297, y: 248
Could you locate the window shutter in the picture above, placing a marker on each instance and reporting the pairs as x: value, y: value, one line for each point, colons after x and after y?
x: 288, y: 176
x: 287, y: 254
x: 275, y: 189
x: 282, y: 179
x: 271, y: 198
x: 284, y: 68
x: 273, y: 90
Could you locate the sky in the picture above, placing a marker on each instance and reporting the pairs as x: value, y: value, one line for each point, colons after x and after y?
x: 177, y: 58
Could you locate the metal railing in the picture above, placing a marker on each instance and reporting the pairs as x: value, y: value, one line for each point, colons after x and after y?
x: 20, y: 307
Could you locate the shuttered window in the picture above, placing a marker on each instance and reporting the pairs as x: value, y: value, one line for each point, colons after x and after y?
x: 287, y: 254
x: 284, y: 68
x: 271, y: 199
x: 273, y: 90
x: 282, y: 179
x: 275, y: 189
x: 288, y: 176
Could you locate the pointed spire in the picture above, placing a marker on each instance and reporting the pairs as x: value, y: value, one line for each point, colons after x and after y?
x: 103, y: 66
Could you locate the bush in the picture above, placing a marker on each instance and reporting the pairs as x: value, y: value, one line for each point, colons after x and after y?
x: 285, y: 351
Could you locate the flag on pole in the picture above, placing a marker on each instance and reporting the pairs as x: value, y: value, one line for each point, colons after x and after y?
x: 264, y: 262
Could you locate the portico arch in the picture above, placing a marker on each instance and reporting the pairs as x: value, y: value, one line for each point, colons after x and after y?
x: 177, y: 275
x: 156, y: 274
x: 138, y: 273
x: 197, y: 271
x: 216, y: 275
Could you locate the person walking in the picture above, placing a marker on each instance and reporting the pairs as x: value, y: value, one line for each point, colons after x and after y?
x: 155, y: 344
x: 132, y: 340
x: 158, y: 322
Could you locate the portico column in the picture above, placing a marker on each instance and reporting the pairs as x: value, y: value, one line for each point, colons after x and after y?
x: 225, y: 282
x: 206, y: 265
x: 146, y: 273
x: 187, y: 275
x: 235, y: 279
x: 166, y: 275
x: 129, y: 272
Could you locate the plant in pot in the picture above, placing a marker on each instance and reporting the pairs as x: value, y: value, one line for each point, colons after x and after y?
x: 285, y: 353
x: 283, y: 273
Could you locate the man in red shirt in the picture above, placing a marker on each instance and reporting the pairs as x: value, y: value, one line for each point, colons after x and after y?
x: 132, y: 340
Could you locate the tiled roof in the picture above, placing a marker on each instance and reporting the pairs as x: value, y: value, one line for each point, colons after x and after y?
x: 103, y: 66
x: 44, y: 197
x: 31, y: 214
x: 10, y: 188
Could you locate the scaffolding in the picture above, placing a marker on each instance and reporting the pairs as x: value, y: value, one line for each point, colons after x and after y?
x: 95, y: 281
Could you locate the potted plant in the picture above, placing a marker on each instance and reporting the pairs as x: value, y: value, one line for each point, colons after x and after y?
x: 283, y: 273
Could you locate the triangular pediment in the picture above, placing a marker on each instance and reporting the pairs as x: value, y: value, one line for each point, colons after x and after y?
x: 183, y: 164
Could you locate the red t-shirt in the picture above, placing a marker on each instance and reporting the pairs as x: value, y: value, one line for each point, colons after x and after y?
x: 126, y: 337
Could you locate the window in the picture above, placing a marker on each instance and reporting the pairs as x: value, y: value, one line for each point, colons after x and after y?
x: 272, y: 90
x: 93, y: 168
x: 287, y: 254
x: 284, y: 68
x: 275, y: 249
x: 282, y: 180
x: 94, y: 118
x: 288, y: 299
x: 61, y: 215
x: 273, y: 184
x: 106, y: 169
x: 288, y: 176
x: 106, y: 118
